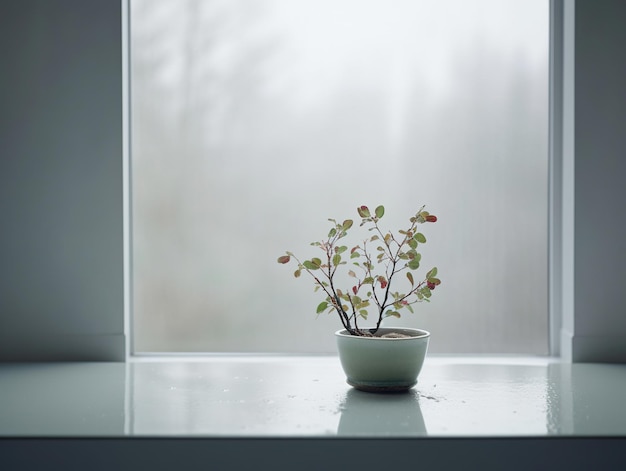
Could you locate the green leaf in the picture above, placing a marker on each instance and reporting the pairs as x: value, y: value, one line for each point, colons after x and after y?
x: 413, y: 243
x: 310, y: 265
x: 347, y: 224
x: 336, y: 259
x: 363, y: 313
x: 322, y: 306
x: 392, y: 314
x: 421, y: 238
x: 341, y: 249
x: 380, y: 211
x: 413, y: 264
x: 409, y: 275
x: 332, y: 232
x: 355, y: 255
x: 432, y: 273
x: 316, y: 261
x: 413, y: 255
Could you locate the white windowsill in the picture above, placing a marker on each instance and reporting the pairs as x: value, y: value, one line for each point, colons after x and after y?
x: 306, y: 396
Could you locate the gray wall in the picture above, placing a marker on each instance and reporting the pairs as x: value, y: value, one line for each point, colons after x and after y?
x: 594, y: 158
x: 61, y: 232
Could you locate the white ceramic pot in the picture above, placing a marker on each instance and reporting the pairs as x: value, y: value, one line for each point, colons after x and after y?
x: 377, y: 364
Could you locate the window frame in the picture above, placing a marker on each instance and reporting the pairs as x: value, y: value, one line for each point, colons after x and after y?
x: 572, y: 333
x: 554, y: 259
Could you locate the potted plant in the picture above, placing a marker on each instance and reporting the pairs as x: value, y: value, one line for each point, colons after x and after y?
x: 374, y: 358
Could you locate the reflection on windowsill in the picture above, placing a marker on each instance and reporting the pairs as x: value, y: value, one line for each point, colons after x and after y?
x: 308, y: 397
x: 396, y: 415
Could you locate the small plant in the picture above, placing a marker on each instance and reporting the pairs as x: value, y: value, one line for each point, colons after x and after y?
x: 375, y: 264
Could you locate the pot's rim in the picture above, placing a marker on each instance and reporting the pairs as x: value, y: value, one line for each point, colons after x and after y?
x: 415, y: 334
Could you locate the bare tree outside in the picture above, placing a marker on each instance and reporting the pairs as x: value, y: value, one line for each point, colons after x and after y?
x: 255, y: 121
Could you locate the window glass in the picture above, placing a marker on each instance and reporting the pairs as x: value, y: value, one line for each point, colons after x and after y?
x: 254, y: 122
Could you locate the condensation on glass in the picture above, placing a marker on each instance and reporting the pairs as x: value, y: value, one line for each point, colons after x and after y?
x: 254, y: 122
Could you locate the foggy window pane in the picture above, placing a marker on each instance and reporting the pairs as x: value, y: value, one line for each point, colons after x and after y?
x: 255, y: 121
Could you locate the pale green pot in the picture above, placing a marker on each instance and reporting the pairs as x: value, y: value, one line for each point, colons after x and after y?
x: 377, y: 364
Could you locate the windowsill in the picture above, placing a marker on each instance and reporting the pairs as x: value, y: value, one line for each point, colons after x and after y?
x: 306, y: 396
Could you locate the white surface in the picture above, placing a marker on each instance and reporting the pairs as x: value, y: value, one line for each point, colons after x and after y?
x: 308, y: 396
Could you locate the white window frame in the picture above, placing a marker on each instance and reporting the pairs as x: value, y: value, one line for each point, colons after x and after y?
x: 562, y: 200
x: 555, y: 51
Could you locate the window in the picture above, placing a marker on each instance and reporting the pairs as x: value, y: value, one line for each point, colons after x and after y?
x: 252, y: 123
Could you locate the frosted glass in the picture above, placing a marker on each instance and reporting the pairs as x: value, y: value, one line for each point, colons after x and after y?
x: 254, y: 122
